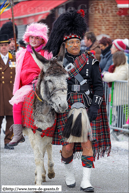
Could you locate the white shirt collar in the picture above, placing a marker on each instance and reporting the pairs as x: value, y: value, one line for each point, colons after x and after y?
x: 5, y: 58
x: 2, y: 56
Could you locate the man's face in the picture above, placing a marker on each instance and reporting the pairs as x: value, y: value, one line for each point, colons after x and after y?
x: 73, y: 46
x: 12, y: 45
x: 87, y: 42
x: 4, y: 48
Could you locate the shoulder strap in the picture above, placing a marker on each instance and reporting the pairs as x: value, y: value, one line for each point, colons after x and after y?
x: 65, y: 62
x: 68, y: 66
x: 38, y: 62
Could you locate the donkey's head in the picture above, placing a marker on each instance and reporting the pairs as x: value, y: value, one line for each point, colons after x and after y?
x: 52, y: 84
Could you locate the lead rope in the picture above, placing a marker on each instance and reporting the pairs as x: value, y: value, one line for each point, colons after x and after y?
x: 36, y: 94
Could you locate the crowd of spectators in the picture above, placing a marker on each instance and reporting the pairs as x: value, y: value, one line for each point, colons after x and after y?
x: 113, y: 57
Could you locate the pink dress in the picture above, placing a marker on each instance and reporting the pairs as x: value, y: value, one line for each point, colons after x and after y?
x: 26, y: 71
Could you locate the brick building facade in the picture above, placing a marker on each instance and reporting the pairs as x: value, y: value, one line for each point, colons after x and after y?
x: 103, y: 19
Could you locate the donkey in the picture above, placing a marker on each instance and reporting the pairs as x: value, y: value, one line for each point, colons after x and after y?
x: 50, y: 98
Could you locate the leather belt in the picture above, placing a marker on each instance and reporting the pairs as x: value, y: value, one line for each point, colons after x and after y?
x: 77, y: 88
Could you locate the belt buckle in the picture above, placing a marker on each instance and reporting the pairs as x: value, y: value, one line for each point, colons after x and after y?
x: 83, y: 82
x: 76, y: 87
x: 69, y: 67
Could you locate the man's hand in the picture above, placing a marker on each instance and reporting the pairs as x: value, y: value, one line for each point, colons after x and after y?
x: 92, y: 113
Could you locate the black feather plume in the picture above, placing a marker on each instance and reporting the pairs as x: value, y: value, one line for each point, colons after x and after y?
x: 77, y: 127
x: 68, y: 125
x: 67, y: 23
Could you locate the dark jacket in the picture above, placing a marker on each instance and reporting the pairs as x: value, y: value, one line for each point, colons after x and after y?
x: 91, y: 73
x: 7, y: 74
x: 106, y: 59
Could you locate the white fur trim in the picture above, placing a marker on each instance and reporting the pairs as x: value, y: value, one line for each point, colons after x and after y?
x: 36, y: 29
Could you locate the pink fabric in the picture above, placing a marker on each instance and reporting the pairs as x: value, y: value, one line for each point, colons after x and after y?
x: 20, y: 94
x: 29, y: 48
x: 127, y: 122
x: 17, y: 113
x: 30, y: 69
x: 19, y: 60
x: 36, y: 29
x: 20, y: 91
x: 48, y: 55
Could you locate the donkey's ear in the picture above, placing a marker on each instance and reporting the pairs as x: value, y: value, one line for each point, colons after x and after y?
x: 42, y: 62
x: 40, y: 57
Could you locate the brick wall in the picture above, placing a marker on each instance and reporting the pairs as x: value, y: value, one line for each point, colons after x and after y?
x: 103, y: 19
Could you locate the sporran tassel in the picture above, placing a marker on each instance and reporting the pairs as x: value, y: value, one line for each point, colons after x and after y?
x: 68, y: 126
x: 77, y: 127
x: 85, y: 124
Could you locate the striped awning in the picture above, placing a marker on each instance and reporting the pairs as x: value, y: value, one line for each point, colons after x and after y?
x: 30, y: 11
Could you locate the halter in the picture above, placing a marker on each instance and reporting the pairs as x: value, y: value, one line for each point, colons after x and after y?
x: 55, y: 90
x: 36, y: 94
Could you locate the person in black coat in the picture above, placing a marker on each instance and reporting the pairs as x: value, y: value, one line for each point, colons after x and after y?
x: 85, y: 99
x: 106, y: 56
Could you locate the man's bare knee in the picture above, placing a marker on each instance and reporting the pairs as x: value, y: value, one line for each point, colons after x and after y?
x: 87, y: 148
x: 67, y: 150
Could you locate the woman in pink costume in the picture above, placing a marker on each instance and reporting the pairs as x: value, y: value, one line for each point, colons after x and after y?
x: 27, y: 71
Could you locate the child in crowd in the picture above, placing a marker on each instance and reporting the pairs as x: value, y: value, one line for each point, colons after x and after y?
x: 118, y: 45
x: 118, y: 71
x: 119, y: 68
x: 27, y: 70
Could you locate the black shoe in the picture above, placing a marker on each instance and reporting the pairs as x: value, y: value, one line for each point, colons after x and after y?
x: 71, y: 185
x: 22, y: 140
x: 8, y: 147
x: 89, y: 189
x: 16, y: 143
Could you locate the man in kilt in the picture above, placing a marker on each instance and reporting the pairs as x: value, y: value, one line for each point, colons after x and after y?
x: 84, y: 126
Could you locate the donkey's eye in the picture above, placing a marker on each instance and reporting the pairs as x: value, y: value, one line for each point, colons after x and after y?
x: 50, y: 81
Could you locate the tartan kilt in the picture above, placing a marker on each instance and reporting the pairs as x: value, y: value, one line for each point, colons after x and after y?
x: 27, y: 111
x: 100, y: 128
x: 28, y: 119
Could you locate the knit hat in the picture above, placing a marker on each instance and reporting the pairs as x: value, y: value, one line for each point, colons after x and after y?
x: 36, y: 29
x: 118, y: 43
x: 126, y: 42
x: 70, y: 24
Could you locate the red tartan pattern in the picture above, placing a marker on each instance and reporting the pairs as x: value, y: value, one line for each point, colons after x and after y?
x: 100, y: 129
x: 79, y: 63
x: 28, y: 120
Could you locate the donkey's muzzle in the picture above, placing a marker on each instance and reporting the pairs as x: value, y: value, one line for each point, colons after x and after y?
x: 63, y: 107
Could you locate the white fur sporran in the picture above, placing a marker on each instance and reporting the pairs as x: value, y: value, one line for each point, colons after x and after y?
x: 82, y: 124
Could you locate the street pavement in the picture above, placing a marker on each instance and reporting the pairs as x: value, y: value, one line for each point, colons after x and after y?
x: 109, y: 176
